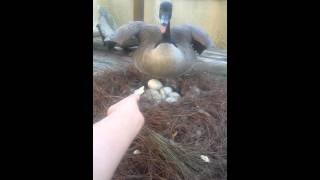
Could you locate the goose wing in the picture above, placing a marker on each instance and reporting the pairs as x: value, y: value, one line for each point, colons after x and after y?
x: 126, y: 34
x: 200, y: 39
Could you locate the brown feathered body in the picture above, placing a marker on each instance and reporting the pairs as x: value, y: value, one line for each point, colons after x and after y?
x: 164, y: 59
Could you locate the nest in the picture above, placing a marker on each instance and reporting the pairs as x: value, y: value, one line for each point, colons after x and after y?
x: 175, y: 135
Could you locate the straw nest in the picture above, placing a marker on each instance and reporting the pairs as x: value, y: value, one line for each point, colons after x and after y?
x: 182, y: 140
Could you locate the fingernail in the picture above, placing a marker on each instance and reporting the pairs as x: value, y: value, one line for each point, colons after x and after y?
x: 139, y: 91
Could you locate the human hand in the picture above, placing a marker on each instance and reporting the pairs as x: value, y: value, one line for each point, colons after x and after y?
x: 114, y: 134
x: 127, y: 110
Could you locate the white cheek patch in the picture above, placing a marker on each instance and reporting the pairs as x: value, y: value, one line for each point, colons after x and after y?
x: 162, y: 20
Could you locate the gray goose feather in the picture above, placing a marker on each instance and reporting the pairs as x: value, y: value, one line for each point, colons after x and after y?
x: 165, y: 60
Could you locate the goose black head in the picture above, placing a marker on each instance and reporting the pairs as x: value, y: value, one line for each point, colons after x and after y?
x: 165, y: 14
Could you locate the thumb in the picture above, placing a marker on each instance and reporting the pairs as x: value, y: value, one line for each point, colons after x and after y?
x: 137, y: 93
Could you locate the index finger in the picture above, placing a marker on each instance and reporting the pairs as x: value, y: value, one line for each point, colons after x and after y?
x: 135, y: 97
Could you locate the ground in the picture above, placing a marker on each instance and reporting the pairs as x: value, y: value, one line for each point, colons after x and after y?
x: 175, y: 135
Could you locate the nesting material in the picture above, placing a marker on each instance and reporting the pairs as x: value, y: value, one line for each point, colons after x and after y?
x: 175, y: 135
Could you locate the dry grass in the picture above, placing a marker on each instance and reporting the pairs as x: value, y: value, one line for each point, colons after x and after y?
x: 175, y: 135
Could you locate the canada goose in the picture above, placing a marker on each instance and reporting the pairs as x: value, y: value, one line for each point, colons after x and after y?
x: 162, y: 51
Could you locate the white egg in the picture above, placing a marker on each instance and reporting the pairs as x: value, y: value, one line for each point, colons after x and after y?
x: 154, y: 84
x: 171, y: 99
x: 136, y: 152
x: 205, y: 158
x: 167, y: 90
x: 174, y: 94
x: 163, y: 93
x: 153, y: 94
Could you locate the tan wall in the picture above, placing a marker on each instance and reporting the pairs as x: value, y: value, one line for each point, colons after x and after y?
x: 121, y: 10
x: 210, y: 15
x: 95, y: 15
